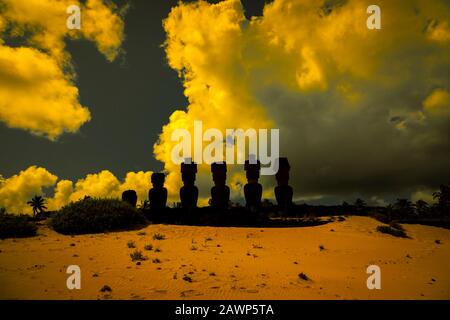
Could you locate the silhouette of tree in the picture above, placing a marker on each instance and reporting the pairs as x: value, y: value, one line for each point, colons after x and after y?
x: 360, y: 203
x: 390, y: 212
x: 422, y: 208
x: 404, y: 208
x: 38, y: 205
x: 443, y: 197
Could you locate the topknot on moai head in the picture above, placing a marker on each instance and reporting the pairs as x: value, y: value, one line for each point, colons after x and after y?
x: 219, y: 172
x: 252, y: 168
x: 130, y: 196
x: 158, y: 179
x: 284, y: 167
x: 188, y: 171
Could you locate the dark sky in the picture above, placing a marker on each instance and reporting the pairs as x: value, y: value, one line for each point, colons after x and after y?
x: 129, y: 100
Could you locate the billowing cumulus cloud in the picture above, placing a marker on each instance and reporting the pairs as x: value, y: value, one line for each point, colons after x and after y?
x: 20, y: 188
x: 15, y: 191
x: 359, y: 111
x: 37, y: 92
x: 36, y: 95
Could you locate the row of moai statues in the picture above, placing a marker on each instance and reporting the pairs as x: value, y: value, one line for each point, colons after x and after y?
x: 220, y: 192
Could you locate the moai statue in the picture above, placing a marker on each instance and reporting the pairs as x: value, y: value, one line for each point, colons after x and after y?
x: 253, y: 189
x: 158, y: 194
x: 220, y: 193
x: 283, y: 192
x: 130, y: 196
x: 188, y: 192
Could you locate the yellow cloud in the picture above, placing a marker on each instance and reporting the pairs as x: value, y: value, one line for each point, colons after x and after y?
x: 314, y: 70
x: 438, y: 102
x: 20, y: 188
x: 424, y: 195
x: 36, y: 95
x: 101, y: 185
x: 139, y: 182
x: 63, y: 191
x: 37, y: 92
x: 439, y: 31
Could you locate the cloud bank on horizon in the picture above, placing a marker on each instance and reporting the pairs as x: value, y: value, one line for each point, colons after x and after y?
x: 359, y: 111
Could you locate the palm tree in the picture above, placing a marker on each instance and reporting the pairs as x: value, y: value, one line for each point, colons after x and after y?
x: 443, y: 197
x: 360, y: 203
x: 422, y: 208
x: 38, y: 205
x: 404, y: 208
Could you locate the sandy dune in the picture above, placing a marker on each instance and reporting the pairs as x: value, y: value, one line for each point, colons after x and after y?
x: 231, y: 263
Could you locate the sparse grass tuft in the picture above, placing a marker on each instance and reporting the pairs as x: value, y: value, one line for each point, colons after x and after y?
x: 159, y: 236
x: 187, y: 278
x: 148, y: 247
x: 137, y: 256
x: 106, y: 288
x: 131, y: 244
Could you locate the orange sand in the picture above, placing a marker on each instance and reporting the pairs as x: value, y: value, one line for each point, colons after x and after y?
x: 232, y: 263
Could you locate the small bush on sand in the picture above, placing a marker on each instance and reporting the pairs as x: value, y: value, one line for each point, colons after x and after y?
x: 96, y: 215
x: 187, y: 278
x: 159, y: 236
x: 14, y: 226
x: 131, y: 244
x: 392, y: 231
x: 148, y: 247
x: 303, y: 276
x: 137, y: 256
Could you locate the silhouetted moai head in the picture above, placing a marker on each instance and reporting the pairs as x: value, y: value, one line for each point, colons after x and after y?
x: 188, y: 192
x: 188, y: 172
x: 158, y: 179
x: 158, y: 194
x: 282, y: 175
x: 252, y: 190
x: 252, y: 169
x: 220, y: 193
x: 283, y: 192
x: 130, y: 196
x: 219, y: 173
